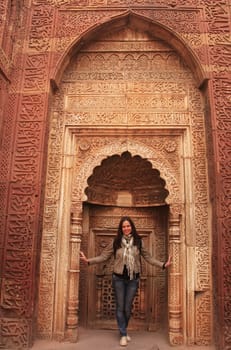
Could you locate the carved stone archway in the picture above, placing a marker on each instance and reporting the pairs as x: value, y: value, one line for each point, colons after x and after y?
x: 131, y: 18
x: 156, y: 114
x: 84, y: 166
x: 126, y: 181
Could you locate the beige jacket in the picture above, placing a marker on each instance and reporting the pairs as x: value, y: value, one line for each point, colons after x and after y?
x: 119, y: 263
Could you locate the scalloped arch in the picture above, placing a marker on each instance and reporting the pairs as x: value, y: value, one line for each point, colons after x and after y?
x: 157, y: 160
x: 140, y: 22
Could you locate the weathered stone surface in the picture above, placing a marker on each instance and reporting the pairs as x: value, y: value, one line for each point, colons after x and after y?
x: 122, y: 104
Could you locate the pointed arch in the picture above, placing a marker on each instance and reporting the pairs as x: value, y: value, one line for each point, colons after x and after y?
x: 134, y: 148
x: 134, y: 20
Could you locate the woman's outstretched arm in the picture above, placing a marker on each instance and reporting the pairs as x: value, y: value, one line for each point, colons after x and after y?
x: 168, y: 262
x: 83, y: 257
x: 104, y: 256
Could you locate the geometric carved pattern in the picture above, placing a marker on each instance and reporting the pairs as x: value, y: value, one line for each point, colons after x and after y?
x: 203, y: 302
x: 218, y: 19
x: 16, y: 296
x: 15, y: 333
x: 108, y: 300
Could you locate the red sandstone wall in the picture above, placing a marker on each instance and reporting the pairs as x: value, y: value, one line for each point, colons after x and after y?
x: 33, y: 39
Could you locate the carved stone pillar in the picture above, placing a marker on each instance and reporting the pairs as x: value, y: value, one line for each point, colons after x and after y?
x: 175, y: 296
x: 73, y: 280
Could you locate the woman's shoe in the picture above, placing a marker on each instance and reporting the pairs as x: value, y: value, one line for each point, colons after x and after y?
x: 123, y: 341
x: 128, y: 338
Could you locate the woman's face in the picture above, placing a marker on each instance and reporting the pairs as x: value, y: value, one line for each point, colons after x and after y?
x: 126, y: 228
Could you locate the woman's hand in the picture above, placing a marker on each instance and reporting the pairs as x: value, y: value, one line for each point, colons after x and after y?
x: 169, y: 262
x: 83, y: 257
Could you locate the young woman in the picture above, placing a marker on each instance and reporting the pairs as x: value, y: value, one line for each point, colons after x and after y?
x: 127, y: 248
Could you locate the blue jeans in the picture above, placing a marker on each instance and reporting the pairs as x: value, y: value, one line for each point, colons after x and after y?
x: 125, y: 291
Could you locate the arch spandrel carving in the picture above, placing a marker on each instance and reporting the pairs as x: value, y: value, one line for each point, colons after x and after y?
x: 118, y: 146
x: 135, y: 19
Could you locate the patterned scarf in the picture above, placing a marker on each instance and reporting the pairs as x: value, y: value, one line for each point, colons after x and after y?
x: 128, y: 254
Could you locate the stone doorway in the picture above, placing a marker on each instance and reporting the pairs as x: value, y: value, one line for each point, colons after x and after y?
x: 127, y: 92
x: 97, y: 308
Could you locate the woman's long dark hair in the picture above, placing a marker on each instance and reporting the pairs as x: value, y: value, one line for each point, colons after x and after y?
x: 118, y: 238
